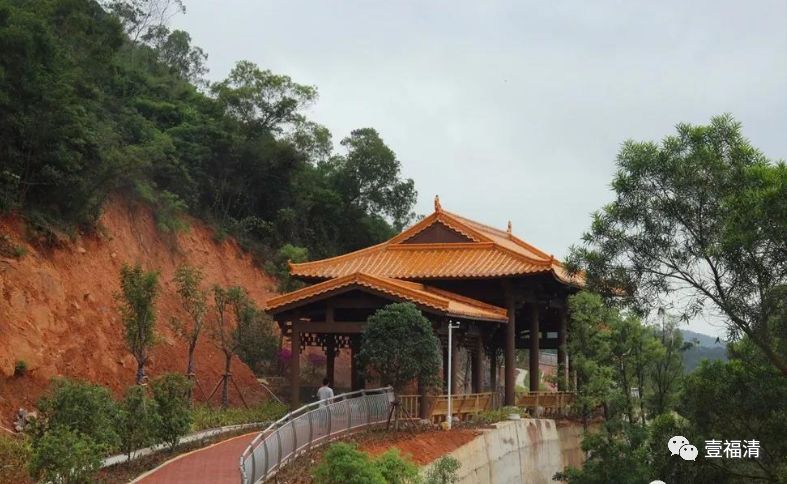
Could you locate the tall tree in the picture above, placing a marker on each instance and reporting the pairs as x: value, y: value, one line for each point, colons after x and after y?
x: 194, y: 300
x: 262, y: 100
x: 699, y: 221
x: 369, y: 176
x: 139, y: 290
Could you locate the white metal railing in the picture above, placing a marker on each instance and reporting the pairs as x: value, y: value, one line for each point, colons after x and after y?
x: 310, y: 426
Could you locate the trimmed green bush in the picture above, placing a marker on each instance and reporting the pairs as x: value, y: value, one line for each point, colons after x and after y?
x: 81, y: 407
x: 171, y: 393
x: 65, y: 456
x: 397, y: 469
x: 138, y: 420
x: 345, y: 464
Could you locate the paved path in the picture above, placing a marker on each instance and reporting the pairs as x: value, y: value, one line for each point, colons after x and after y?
x: 216, y: 464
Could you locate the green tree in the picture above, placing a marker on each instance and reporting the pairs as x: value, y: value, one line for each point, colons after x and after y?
x: 139, y: 290
x: 237, y: 325
x: 702, y: 215
x: 369, y: 177
x: 194, y: 300
x: 171, y: 393
x: 589, y: 347
x: 257, y: 340
x: 81, y: 407
x: 345, y: 464
x: 65, y: 456
x: 281, y: 266
x: 138, y: 420
x: 262, y: 100
x: 667, y: 368
x: 443, y: 471
x: 399, y: 345
x: 741, y: 399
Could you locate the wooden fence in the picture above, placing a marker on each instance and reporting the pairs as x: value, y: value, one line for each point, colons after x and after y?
x: 552, y: 403
x: 461, y: 405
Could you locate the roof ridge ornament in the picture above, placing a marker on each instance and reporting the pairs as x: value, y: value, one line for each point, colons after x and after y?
x: 509, y: 228
x: 437, y: 206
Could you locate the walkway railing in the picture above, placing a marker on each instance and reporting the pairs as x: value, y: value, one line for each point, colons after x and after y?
x: 310, y: 426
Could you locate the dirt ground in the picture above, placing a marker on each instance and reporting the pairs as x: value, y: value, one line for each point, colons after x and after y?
x: 423, y: 447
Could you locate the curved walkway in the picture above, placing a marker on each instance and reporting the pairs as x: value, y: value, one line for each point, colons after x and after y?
x: 215, y: 464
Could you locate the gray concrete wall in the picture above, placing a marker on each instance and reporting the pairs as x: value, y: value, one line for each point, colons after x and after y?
x: 520, y: 451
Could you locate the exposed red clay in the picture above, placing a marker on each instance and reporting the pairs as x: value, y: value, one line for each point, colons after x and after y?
x: 423, y: 447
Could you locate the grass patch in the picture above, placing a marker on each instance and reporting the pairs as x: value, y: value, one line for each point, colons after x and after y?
x: 207, y: 417
x: 15, y: 453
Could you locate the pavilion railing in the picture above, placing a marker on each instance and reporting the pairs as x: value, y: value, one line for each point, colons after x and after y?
x: 461, y: 405
x: 552, y: 403
x: 310, y: 426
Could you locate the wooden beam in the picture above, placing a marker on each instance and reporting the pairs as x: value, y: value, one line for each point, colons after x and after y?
x: 534, y: 340
x: 336, y: 327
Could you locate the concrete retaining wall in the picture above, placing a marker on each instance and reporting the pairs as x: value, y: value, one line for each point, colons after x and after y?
x: 520, y: 451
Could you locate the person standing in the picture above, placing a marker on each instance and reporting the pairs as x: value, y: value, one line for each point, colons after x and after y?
x: 325, y: 392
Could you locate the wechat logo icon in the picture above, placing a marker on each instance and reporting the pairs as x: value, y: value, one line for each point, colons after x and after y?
x: 679, y: 445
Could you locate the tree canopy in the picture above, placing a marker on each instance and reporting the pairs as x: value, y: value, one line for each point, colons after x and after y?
x: 699, y: 223
x: 398, y: 345
x: 95, y: 100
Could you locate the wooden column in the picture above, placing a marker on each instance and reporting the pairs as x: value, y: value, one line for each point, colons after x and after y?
x: 562, y: 361
x: 510, y: 351
x: 330, y: 346
x: 477, y: 363
x: 493, y: 368
x: 330, y: 356
x: 355, y: 377
x: 534, y: 340
x: 295, y: 368
x: 423, y: 401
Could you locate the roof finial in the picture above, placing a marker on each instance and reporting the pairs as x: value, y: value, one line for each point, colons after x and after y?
x: 437, y: 207
x: 509, y: 227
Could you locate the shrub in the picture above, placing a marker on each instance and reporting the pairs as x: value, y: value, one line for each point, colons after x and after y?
x: 138, y: 420
x: 81, y: 407
x: 20, y: 368
x: 206, y: 417
x: 65, y: 456
x: 345, y: 464
x: 397, y: 469
x: 171, y: 393
x: 443, y: 471
x: 15, y: 455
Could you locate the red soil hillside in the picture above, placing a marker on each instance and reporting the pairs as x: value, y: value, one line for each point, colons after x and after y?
x: 58, y: 313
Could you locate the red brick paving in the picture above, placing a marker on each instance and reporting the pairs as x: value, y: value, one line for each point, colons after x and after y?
x: 217, y: 464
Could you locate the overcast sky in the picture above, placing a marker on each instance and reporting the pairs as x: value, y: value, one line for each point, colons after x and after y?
x: 515, y: 110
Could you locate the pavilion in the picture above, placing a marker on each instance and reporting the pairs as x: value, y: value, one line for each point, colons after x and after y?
x: 504, y: 293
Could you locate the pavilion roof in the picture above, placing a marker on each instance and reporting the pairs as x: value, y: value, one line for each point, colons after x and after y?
x: 485, y: 252
x: 438, y: 300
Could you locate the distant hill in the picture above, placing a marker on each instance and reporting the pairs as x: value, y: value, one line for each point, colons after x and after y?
x: 706, y: 348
